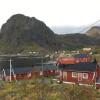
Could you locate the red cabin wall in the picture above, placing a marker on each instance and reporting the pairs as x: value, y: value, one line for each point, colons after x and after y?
x: 69, y: 78
x: 34, y: 75
x: 24, y: 76
x: 98, y: 72
x: 49, y: 73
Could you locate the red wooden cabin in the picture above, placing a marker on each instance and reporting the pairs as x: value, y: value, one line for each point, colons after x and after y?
x: 80, y: 73
x: 25, y: 73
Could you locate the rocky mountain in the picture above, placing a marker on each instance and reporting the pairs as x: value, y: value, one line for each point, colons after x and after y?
x: 20, y: 30
x: 23, y: 34
x: 94, y: 32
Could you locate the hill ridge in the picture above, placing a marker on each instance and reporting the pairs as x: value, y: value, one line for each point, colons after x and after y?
x: 23, y: 34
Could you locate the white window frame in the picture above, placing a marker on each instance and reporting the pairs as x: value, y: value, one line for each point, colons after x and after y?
x: 86, y: 76
x: 74, y: 75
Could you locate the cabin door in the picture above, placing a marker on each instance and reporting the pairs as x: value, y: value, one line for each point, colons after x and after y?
x: 64, y: 76
x: 79, y: 76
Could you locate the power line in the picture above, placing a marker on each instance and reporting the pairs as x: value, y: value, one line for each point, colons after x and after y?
x: 88, y: 27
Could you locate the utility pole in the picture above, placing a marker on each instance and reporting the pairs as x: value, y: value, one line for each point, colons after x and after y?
x: 10, y: 69
x: 42, y: 64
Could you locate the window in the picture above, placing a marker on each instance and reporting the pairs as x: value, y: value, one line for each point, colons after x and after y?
x: 85, y: 76
x: 74, y: 74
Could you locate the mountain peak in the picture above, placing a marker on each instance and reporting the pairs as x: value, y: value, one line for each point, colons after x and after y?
x: 20, y: 29
x: 94, y: 32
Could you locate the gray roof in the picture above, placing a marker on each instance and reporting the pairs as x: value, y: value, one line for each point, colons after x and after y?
x: 45, y: 67
x: 18, y: 70
x: 83, y: 67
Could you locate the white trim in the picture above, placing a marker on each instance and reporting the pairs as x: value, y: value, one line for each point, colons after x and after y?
x: 68, y: 82
x: 93, y: 76
x: 55, y: 79
x: 75, y: 83
x: 85, y: 84
x: 97, y: 83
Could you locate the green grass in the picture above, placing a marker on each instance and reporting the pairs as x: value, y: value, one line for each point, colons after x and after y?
x: 33, y: 90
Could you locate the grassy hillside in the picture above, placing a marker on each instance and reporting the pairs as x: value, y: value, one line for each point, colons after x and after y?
x: 32, y: 90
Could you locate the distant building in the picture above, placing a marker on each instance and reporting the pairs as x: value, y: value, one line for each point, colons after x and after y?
x: 87, y: 49
x: 77, y: 58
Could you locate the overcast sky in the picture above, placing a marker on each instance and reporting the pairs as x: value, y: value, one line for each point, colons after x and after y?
x: 53, y: 12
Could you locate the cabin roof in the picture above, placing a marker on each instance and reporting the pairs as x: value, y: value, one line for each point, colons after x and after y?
x: 83, y: 67
x: 18, y: 70
x: 45, y: 67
